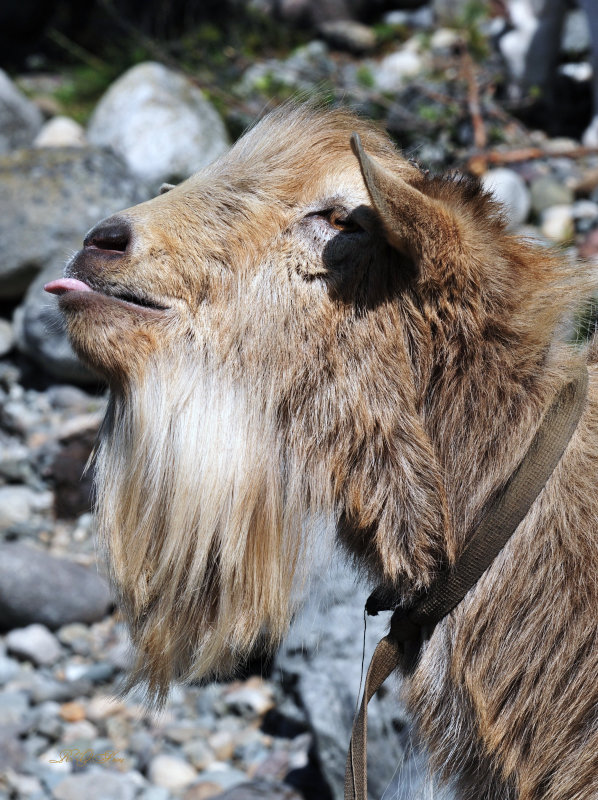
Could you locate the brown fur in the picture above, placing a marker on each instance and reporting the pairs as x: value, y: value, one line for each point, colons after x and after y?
x: 380, y: 377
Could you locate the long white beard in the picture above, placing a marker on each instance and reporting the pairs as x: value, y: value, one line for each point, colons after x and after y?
x: 204, y: 534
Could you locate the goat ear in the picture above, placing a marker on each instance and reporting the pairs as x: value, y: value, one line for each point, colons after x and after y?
x: 417, y: 225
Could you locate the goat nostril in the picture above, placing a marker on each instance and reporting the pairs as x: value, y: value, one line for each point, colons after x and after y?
x: 113, y: 234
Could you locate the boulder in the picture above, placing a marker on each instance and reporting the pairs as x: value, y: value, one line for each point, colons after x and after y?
x: 398, y: 67
x: 37, y: 587
x: 34, y: 643
x: 510, y: 190
x: 50, y: 197
x: 160, y: 123
x: 321, y: 659
x: 60, y: 132
x: 547, y: 191
x: 97, y: 784
x: 20, y: 119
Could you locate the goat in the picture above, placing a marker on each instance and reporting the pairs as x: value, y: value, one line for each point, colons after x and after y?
x: 285, y: 344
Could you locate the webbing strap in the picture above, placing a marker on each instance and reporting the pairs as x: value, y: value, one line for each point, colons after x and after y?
x: 410, y: 626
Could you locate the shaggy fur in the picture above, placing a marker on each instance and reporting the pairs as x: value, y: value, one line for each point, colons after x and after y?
x: 304, y: 335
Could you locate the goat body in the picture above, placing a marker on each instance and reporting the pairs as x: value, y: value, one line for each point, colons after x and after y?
x: 301, y: 333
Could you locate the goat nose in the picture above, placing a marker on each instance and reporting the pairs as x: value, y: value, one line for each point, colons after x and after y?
x: 112, y: 234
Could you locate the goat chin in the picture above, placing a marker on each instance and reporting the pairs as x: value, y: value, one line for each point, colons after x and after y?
x: 200, y: 529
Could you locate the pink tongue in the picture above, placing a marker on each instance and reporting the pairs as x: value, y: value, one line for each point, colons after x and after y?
x: 66, y: 285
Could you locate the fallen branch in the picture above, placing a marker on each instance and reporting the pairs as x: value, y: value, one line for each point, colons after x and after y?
x: 479, y: 163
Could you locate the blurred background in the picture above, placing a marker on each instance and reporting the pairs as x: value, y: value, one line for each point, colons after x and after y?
x: 99, y: 104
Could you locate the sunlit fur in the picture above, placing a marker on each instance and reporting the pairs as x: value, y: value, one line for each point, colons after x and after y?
x: 386, y: 376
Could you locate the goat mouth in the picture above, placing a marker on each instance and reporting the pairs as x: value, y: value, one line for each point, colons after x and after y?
x: 72, y: 290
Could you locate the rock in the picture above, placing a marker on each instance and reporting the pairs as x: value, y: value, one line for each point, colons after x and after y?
x: 9, y: 669
x: 585, y: 214
x: 171, y: 772
x: 154, y: 793
x: 306, y: 66
x: 514, y: 44
x: 546, y: 191
x: 510, y: 190
x: 222, y: 744
x: 35, y: 643
x: 576, y: 39
x: 72, y: 485
x: 160, y: 123
x: 444, y: 39
x: 346, y: 34
x: 556, y: 223
x: 313, y: 12
x: 74, y: 400
x: 36, y: 587
x: 260, y: 790
x: 252, y: 700
x: 15, y: 461
x: 449, y: 12
x: 12, y: 751
x: 50, y: 197
x: 20, y: 119
x: 323, y: 665
x: 219, y: 775
x: 422, y: 17
x: 96, y: 785
x: 13, y: 708
x: 199, y: 753
x: 590, y: 136
x: 20, y: 507
x: 72, y: 712
x: 395, y: 68
x: 6, y: 337
x: 61, y: 132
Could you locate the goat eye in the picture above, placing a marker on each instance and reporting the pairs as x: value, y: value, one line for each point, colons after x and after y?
x: 338, y: 218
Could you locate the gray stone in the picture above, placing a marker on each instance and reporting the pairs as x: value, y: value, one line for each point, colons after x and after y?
x: 449, y: 12
x: 556, y: 223
x: 306, y: 66
x: 398, y: 67
x: 15, y: 466
x: 20, y: 506
x: 35, y: 643
x: 324, y: 666
x: 41, y: 689
x: 159, y: 122
x: 50, y: 197
x: 576, y: 39
x: 226, y: 777
x: 96, y: 785
x: 6, y: 337
x: 260, y: 790
x: 9, y: 669
x: 547, y: 191
x: 346, y: 34
x: 12, y: 751
x: 20, y: 119
x: 171, y: 772
x: 13, y: 708
x: 38, y: 587
x: 154, y: 793
x: 510, y: 190
x: 199, y: 753
x: 61, y: 132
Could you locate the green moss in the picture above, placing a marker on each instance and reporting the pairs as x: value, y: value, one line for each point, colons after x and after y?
x: 364, y: 76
